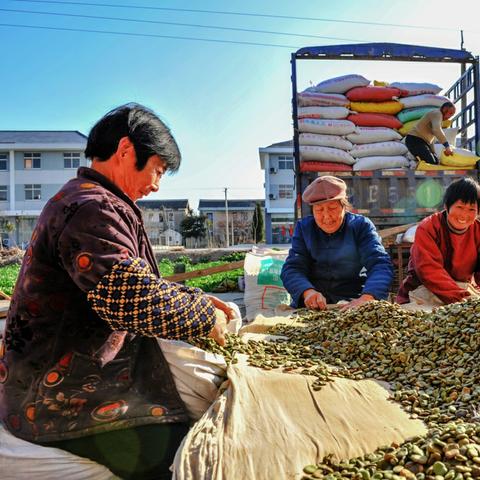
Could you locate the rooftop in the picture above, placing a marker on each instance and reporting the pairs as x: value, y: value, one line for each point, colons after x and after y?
x: 205, y: 204
x: 181, y: 204
x: 42, y: 136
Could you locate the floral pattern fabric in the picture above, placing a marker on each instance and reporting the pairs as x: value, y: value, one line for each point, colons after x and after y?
x: 78, y: 355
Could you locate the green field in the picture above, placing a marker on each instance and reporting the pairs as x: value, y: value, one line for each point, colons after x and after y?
x: 218, y: 282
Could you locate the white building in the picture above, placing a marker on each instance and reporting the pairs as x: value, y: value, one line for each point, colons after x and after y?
x: 33, y: 167
x: 278, y: 163
x: 162, y: 219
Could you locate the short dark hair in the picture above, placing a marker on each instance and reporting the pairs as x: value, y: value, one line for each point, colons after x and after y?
x: 148, y: 134
x: 466, y: 189
x: 447, y: 105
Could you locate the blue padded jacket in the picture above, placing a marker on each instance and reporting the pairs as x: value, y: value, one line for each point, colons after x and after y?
x: 342, y: 265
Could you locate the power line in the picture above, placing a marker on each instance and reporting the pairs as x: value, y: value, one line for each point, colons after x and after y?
x: 149, y: 35
x: 245, y: 14
x: 158, y: 22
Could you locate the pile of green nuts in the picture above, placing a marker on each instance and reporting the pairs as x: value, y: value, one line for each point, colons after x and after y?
x: 430, y: 360
x: 451, y: 452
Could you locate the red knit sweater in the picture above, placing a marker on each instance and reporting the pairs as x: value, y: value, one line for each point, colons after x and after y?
x: 439, y: 257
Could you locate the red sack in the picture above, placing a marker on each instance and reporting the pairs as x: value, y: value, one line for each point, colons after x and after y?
x: 373, y: 94
x: 324, y: 167
x: 375, y: 120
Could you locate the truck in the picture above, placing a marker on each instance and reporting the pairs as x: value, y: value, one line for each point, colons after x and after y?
x: 396, y: 197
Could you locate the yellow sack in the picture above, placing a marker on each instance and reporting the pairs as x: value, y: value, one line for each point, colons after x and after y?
x: 409, y: 125
x: 390, y: 108
x: 424, y: 167
x: 378, y: 83
x: 461, y: 158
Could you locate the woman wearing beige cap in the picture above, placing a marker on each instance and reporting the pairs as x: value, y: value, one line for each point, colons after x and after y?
x: 335, y: 255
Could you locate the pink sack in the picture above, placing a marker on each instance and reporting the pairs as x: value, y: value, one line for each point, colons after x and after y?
x: 373, y: 94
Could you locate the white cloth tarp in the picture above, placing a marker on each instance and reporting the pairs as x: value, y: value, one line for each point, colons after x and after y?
x: 423, y: 299
x: 269, y: 424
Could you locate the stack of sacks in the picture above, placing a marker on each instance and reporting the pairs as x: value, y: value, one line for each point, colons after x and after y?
x: 322, y: 112
x: 374, y: 106
x: 377, y: 148
x: 376, y: 144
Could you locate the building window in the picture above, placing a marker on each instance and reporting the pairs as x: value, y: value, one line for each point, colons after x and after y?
x: 285, y: 191
x: 3, y: 193
x: 3, y: 161
x: 71, y: 160
x: 31, y: 160
x: 285, y: 163
x: 33, y: 191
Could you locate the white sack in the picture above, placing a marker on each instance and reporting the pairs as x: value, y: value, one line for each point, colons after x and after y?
x: 378, y: 149
x: 438, y: 148
x: 325, y: 154
x: 324, y: 112
x: 417, y: 88
x: 378, y: 163
x: 22, y: 460
x: 264, y: 289
x: 197, y: 374
x: 373, y: 134
x: 341, y: 84
x: 329, y: 127
x: 409, y: 235
x: 426, y: 100
x: 308, y: 98
x: 335, y: 141
x: 451, y: 134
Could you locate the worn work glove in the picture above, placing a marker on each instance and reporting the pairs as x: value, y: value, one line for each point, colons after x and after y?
x: 448, y: 151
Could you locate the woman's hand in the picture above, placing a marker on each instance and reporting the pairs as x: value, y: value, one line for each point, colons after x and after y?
x: 218, y: 334
x: 314, y: 300
x: 366, y: 297
x: 229, y: 312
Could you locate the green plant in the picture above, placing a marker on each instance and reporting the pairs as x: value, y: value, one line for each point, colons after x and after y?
x: 193, y: 226
x: 8, y: 277
x: 233, y: 257
x: 257, y: 223
x: 228, y: 280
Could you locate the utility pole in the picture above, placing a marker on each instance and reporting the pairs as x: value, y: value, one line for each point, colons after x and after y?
x: 463, y: 85
x: 226, y: 219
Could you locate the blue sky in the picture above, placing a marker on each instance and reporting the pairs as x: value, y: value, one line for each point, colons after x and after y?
x: 222, y: 100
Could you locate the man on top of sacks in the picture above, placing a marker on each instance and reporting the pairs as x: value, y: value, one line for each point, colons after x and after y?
x: 419, y: 140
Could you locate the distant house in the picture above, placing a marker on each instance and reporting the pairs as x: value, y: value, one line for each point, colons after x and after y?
x: 277, y: 161
x: 170, y: 237
x: 162, y: 220
x: 240, y: 216
x: 33, y: 167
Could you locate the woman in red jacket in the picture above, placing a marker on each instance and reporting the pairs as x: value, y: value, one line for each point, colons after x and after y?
x: 446, y: 248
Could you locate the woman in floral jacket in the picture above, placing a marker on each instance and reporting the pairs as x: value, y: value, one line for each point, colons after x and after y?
x: 80, y: 367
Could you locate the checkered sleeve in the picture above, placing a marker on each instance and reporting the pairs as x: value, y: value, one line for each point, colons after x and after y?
x: 130, y: 297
